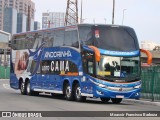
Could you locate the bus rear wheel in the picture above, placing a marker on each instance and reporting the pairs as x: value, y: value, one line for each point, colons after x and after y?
x: 23, y: 88
x: 29, y: 91
x: 116, y: 100
x: 104, y: 99
x: 77, y: 93
x: 68, y: 92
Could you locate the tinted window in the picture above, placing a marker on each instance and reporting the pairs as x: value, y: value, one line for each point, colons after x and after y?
x: 109, y: 37
x: 29, y: 41
x: 115, y: 38
x: 71, y: 38
x: 33, y: 66
x: 17, y: 43
x: 48, y: 38
x: 38, y: 39
x: 63, y: 67
x: 85, y: 35
x: 58, y: 38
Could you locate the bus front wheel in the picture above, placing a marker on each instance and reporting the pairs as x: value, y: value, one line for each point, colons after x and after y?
x: 116, y: 100
x: 77, y: 94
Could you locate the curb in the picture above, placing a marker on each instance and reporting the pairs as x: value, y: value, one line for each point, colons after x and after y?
x: 141, y: 102
x: 3, y: 79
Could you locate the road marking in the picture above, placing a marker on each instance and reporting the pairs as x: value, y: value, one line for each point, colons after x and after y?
x: 6, y: 86
x: 4, y: 79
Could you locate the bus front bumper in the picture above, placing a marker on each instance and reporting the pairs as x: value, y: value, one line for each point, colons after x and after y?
x: 129, y: 93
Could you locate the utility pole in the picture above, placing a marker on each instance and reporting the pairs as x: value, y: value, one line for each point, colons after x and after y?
x: 81, y: 11
x: 71, y: 17
x: 49, y: 23
x: 113, y: 11
x: 49, y: 20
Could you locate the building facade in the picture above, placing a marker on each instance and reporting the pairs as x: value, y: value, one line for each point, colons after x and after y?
x: 4, y: 57
x: 18, y: 11
x: 10, y: 18
x: 148, y: 45
x: 21, y: 22
x: 53, y: 19
x: 37, y: 25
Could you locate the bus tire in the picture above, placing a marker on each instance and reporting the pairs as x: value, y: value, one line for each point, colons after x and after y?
x: 116, y: 100
x: 77, y: 93
x: 68, y: 92
x: 23, y: 88
x: 104, y: 99
x: 29, y: 91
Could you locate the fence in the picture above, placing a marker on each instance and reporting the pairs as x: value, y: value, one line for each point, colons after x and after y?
x: 4, y: 72
x: 151, y: 83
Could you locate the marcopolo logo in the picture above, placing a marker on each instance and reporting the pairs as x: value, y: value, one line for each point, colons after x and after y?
x: 58, y: 54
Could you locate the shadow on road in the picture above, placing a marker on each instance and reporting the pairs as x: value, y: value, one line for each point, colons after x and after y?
x: 62, y: 98
x: 88, y: 100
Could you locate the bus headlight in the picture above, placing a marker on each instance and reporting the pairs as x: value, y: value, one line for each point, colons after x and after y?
x: 137, y: 87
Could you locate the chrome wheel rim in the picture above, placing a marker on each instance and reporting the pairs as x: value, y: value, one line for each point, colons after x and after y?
x: 78, y: 92
x: 68, y: 91
x: 28, y: 88
x: 22, y: 87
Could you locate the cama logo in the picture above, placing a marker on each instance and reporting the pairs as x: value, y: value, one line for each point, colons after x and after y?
x: 58, y: 54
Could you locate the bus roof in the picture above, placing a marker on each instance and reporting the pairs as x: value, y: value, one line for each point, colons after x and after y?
x: 73, y: 26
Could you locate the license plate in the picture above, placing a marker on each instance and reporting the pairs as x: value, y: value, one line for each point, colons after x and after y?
x: 119, y: 96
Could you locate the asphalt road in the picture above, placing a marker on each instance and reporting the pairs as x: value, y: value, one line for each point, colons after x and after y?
x: 12, y: 100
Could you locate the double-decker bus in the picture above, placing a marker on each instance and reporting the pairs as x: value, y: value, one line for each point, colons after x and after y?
x: 85, y: 60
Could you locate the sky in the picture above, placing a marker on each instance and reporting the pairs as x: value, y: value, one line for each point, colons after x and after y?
x: 142, y: 15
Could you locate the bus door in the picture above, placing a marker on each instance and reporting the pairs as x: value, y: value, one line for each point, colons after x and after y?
x: 88, y: 67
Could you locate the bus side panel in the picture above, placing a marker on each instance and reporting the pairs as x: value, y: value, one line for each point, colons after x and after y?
x: 14, y: 82
x: 87, y: 86
x: 36, y: 82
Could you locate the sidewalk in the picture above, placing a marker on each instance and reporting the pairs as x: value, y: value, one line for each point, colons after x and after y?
x: 142, y: 101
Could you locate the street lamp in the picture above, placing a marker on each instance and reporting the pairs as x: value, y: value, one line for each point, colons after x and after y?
x: 113, y: 11
x: 123, y: 15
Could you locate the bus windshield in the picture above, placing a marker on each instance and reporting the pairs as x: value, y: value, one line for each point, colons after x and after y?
x: 121, y: 68
x: 114, y: 38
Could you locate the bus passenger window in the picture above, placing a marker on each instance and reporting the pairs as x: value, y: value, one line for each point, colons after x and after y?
x: 71, y: 38
x: 58, y: 38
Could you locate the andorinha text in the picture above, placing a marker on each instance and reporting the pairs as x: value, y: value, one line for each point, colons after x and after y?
x: 58, y: 54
